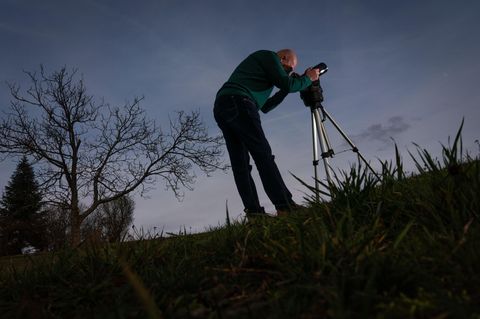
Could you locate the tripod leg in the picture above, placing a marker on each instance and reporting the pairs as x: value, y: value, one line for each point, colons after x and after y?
x: 328, y: 147
x: 315, y: 157
x: 323, y: 144
x: 349, y: 141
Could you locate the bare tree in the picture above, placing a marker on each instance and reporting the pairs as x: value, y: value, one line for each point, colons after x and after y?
x: 95, y: 153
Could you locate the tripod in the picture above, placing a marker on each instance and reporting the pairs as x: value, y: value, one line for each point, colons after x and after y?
x: 313, y: 98
x: 319, y: 134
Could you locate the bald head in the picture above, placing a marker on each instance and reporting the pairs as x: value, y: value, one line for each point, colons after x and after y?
x: 288, y: 59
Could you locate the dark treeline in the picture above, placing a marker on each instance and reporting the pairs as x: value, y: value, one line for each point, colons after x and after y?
x: 29, y: 224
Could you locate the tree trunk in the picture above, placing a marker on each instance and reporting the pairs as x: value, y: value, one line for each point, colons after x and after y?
x: 75, y: 227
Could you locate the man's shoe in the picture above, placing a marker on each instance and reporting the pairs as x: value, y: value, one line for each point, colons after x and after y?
x: 290, y: 209
x: 256, y: 214
x: 282, y: 212
x: 255, y: 211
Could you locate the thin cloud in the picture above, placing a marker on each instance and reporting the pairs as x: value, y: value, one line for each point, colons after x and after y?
x: 384, y: 132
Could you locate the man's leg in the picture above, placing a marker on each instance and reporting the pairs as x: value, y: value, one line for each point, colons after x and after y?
x: 248, y: 128
x: 241, y: 168
x: 226, y: 113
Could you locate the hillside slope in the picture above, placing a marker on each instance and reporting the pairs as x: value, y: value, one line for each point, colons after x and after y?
x: 401, y: 247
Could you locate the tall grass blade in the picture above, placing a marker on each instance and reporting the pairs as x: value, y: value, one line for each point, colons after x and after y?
x: 227, y: 213
x: 142, y: 292
x: 402, y: 235
x: 399, y: 164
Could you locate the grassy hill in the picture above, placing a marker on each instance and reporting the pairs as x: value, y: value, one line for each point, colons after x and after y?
x: 404, y: 246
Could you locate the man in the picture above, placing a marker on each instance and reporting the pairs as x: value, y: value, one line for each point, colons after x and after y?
x: 236, y: 111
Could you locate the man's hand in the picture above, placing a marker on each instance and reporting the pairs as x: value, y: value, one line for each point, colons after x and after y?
x: 313, y: 74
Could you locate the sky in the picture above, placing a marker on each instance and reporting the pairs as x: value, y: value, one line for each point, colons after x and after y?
x: 400, y: 72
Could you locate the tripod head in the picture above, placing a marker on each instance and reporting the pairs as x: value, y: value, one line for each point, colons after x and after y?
x: 312, y: 96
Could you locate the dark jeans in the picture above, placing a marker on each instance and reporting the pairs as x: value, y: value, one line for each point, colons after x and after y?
x: 238, y: 118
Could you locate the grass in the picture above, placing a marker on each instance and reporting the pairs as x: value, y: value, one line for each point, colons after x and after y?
x: 404, y: 246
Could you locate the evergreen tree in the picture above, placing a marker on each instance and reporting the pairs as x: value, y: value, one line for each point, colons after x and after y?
x: 21, y: 221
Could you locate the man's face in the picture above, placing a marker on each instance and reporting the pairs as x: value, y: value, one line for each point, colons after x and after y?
x: 288, y: 62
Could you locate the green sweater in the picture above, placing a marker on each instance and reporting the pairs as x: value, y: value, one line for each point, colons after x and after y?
x: 256, y: 76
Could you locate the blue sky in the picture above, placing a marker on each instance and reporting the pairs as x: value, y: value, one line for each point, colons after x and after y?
x: 406, y: 70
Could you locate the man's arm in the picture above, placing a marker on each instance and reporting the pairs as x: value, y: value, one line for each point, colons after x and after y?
x: 273, y: 101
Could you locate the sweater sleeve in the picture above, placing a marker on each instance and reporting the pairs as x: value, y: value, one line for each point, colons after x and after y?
x: 273, y: 101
